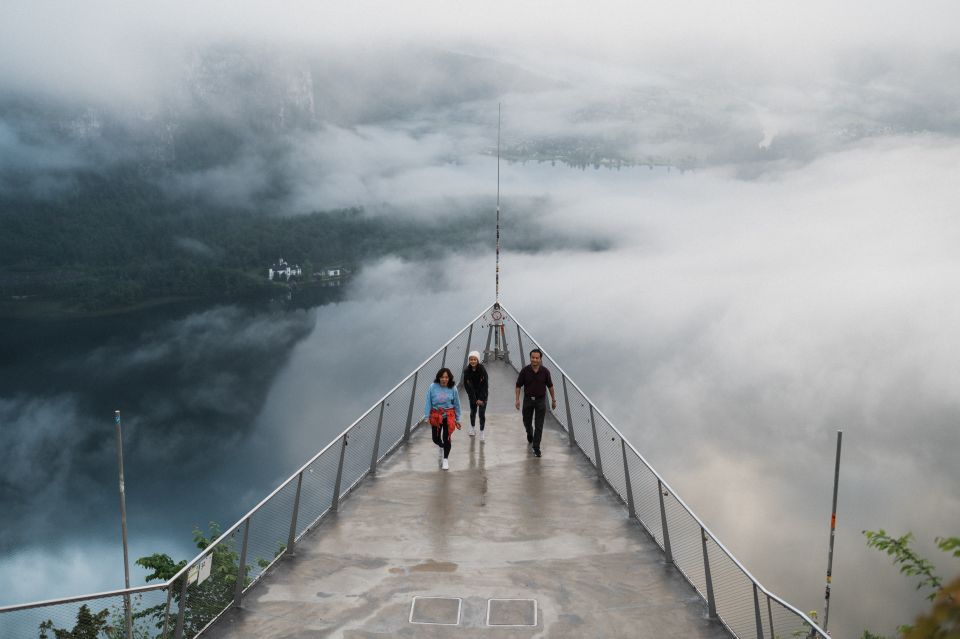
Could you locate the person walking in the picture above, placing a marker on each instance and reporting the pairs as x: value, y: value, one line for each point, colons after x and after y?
x: 442, y: 410
x: 475, y: 383
x: 535, y: 381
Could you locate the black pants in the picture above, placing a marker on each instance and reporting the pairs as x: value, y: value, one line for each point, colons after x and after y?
x: 534, y: 410
x: 441, y: 437
x: 474, y: 410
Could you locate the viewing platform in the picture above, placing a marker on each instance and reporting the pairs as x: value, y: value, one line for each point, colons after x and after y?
x: 500, y: 524
x: 370, y: 538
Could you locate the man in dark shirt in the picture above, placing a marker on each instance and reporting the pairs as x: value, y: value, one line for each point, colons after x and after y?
x: 535, y: 381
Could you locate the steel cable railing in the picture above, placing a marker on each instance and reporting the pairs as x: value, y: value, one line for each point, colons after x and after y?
x: 733, y: 596
x: 218, y: 578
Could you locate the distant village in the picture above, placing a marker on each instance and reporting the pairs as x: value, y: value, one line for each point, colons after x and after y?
x: 283, y: 271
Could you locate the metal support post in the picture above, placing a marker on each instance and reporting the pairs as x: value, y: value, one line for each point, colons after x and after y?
x: 756, y: 612
x: 773, y: 632
x: 413, y: 397
x: 335, y: 502
x: 711, y: 602
x: 127, y: 614
x: 626, y: 476
x: 242, y: 566
x: 523, y: 360
x: 663, y: 524
x: 166, y: 613
x: 182, y: 608
x: 443, y: 360
x: 466, y: 351
x: 833, y: 533
x: 292, y: 537
x: 376, y: 442
x: 596, y: 444
x: 572, y: 437
x: 486, y: 349
x: 506, y: 348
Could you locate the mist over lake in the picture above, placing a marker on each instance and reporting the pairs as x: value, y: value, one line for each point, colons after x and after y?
x: 735, y: 228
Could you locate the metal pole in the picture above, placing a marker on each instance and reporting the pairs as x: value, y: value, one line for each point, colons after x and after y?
x: 711, y: 601
x: 663, y: 524
x: 128, y: 617
x: 443, y: 362
x: 497, y: 298
x: 292, y: 537
x: 486, y: 350
x: 773, y: 632
x: 182, y: 608
x: 572, y: 439
x: 523, y: 361
x: 242, y: 566
x: 166, y: 613
x: 596, y: 445
x: 376, y: 442
x: 626, y: 476
x: 756, y: 612
x: 413, y: 396
x: 335, y: 503
x: 833, y: 532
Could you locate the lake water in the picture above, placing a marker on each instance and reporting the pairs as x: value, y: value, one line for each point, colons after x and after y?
x: 727, y: 336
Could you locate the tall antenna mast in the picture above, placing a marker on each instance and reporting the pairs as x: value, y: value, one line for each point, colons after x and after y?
x: 497, y: 300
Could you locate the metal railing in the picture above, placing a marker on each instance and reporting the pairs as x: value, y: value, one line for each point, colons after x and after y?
x: 733, y: 596
x: 222, y: 573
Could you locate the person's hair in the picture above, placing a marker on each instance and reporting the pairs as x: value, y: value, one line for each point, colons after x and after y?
x: 537, y: 350
x: 449, y: 373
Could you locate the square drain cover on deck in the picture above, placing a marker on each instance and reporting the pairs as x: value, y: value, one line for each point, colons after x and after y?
x: 444, y: 611
x: 512, y: 612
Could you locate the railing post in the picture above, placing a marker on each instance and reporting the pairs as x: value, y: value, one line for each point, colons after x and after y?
x: 626, y: 476
x: 376, y: 442
x: 572, y: 438
x: 166, y: 613
x: 523, y: 361
x: 486, y: 349
x: 596, y: 444
x: 773, y: 632
x: 242, y: 567
x: 182, y: 608
x: 335, y: 502
x: 443, y: 361
x: 756, y: 611
x: 466, y: 351
x: 413, y: 396
x: 292, y: 537
x: 663, y: 524
x: 711, y: 602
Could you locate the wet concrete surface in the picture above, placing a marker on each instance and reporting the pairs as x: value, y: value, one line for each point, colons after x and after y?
x: 500, y: 524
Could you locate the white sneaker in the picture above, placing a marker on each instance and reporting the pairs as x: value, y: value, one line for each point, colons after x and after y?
x: 482, y: 436
x: 473, y: 431
x: 446, y: 465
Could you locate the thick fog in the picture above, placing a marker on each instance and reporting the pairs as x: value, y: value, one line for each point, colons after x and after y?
x: 752, y: 215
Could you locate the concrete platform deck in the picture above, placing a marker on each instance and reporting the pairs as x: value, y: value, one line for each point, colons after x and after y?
x: 500, y: 524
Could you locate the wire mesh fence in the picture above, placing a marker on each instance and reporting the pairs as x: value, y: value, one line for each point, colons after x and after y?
x: 741, y: 603
x: 233, y: 562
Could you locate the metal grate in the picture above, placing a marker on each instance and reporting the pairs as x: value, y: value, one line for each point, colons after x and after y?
x: 437, y: 611
x: 511, y: 612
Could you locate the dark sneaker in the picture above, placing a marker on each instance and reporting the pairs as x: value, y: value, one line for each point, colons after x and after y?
x: 536, y: 452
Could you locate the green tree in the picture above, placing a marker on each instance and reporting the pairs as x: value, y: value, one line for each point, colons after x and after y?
x: 943, y: 620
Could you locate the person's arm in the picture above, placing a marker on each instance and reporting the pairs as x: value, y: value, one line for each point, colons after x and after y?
x: 517, y: 401
x: 426, y: 409
x: 456, y: 404
x: 553, y: 396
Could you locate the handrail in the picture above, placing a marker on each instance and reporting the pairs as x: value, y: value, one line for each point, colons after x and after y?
x: 674, y: 493
x: 170, y: 585
x: 302, y: 468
